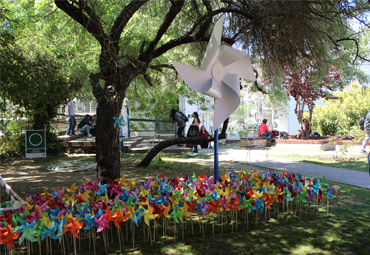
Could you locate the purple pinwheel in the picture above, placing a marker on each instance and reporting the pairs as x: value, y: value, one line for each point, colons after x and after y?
x: 310, y: 195
x: 59, y: 192
x: 147, y: 185
x: 203, y: 206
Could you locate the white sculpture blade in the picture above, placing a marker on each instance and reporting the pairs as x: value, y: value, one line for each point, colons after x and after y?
x: 236, y: 61
x: 219, y: 75
x: 230, y: 99
x: 213, y: 47
x: 198, y: 79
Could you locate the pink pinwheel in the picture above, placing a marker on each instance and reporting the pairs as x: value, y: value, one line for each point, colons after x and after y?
x: 102, y: 222
x: 86, y: 185
x: 59, y: 192
x: 44, y: 206
x: 34, y: 216
x: 334, y: 189
x: 116, y: 189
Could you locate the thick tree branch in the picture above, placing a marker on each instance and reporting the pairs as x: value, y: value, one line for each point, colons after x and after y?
x: 170, y: 16
x: 123, y: 18
x: 159, y: 67
x: 92, y: 24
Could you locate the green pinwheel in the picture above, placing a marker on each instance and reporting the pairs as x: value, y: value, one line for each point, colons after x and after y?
x: 176, y: 213
x: 28, y: 234
x: 323, y: 182
x: 288, y: 196
x: 301, y: 196
x: 247, y: 204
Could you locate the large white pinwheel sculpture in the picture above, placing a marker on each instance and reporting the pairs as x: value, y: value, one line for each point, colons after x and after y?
x: 219, y: 74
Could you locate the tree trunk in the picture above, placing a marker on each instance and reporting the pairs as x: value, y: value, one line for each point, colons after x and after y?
x: 107, y: 141
x: 182, y: 140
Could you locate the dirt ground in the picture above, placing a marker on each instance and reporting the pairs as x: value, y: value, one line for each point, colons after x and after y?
x: 31, y: 175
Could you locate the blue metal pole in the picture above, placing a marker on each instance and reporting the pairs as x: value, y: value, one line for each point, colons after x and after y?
x: 128, y: 123
x: 216, y: 156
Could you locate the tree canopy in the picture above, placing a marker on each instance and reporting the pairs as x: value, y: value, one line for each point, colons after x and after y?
x: 124, y: 42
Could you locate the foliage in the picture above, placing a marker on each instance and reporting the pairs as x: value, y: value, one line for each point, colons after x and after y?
x: 33, y: 85
x: 12, y: 142
x: 341, y: 116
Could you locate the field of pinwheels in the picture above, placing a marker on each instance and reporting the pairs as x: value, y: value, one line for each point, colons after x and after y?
x: 246, y: 210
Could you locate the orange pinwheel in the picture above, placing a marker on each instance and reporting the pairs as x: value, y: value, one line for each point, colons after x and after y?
x: 73, y: 227
x: 118, y: 217
x: 213, y: 206
x: 8, y: 236
x: 234, y: 204
x: 269, y: 201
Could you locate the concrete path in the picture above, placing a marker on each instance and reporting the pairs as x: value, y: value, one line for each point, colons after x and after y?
x: 258, y: 158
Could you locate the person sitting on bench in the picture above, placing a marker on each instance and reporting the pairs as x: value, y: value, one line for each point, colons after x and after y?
x: 264, y: 131
x: 85, y: 125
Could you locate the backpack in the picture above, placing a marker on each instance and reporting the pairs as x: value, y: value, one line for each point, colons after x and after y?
x: 184, y: 117
x: 362, y: 122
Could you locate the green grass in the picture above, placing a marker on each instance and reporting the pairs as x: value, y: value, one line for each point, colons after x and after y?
x: 360, y: 164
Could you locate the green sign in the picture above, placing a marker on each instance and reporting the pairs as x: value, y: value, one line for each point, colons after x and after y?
x: 35, y: 144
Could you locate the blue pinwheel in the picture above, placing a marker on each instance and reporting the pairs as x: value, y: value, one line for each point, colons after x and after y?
x: 137, y: 218
x: 102, y: 189
x: 25, y: 225
x: 259, y: 204
x: 90, y: 222
x: 119, y: 121
x: 50, y: 232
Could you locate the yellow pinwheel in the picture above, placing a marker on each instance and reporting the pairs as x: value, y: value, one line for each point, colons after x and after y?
x: 73, y: 188
x: 148, y: 215
x: 121, y: 180
x: 131, y: 183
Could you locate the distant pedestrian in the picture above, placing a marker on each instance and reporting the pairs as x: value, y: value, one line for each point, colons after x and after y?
x: 181, y: 120
x: 194, y: 129
x: 367, y: 135
x: 70, y: 112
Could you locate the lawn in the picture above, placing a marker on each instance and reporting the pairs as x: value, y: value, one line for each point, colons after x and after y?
x: 358, y: 163
x: 345, y: 230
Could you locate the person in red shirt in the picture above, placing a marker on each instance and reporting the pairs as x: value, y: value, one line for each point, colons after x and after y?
x: 264, y: 131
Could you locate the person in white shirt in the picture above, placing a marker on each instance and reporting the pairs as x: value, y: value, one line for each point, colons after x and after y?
x: 70, y: 112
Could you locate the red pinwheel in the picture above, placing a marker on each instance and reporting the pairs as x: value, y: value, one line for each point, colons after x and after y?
x: 8, y: 236
x: 320, y: 196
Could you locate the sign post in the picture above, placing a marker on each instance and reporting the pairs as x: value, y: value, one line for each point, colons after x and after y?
x: 35, y: 144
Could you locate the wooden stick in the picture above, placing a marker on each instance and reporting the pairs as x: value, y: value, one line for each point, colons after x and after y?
x: 119, y: 237
x: 39, y: 240
x: 74, y: 245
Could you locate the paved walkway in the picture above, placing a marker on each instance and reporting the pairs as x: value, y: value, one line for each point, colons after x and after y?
x: 258, y: 158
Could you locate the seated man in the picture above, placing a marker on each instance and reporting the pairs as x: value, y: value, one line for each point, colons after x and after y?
x: 93, y: 126
x: 85, y: 125
x: 264, y: 131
